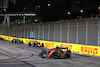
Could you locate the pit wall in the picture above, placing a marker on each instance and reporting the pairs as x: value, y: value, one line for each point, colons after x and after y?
x: 76, y: 48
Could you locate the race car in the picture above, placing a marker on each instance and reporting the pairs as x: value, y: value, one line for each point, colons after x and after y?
x: 1, y: 38
x: 35, y: 43
x: 56, y: 53
x: 17, y: 41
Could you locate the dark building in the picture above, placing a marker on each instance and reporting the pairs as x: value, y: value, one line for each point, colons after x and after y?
x: 89, y: 7
x: 52, y: 10
x: 4, y: 4
x: 12, y: 6
x: 67, y: 9
x: 18, y: 5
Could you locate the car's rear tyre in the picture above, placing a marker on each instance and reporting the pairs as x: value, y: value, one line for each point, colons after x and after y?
x: 12, y: 41
x: 68, y: 54
x: 60, y: 53
x: 15, y: 41
x: 42, y: 45
x: 21, y: 42
x: 29, y: 44
x: 1, y: 38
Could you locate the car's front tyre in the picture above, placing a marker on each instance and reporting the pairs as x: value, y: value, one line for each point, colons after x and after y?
x: 42, y: 53
x: 33, y: 44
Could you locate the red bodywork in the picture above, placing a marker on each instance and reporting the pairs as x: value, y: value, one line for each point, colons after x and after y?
x: 13, y: 39
x: 51, y: 51
x: 37, y: 43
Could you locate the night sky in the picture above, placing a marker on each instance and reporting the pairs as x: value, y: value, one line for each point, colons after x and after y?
x: 58, y: 10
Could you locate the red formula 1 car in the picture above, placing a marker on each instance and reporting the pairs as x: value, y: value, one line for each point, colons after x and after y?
x: 56, y: 53
x: 35, y: 43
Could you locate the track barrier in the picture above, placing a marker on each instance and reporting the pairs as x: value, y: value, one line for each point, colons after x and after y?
x: 76, y: 48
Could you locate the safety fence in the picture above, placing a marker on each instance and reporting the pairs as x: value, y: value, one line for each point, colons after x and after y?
x: 80, y: 31
x: 80, y: 35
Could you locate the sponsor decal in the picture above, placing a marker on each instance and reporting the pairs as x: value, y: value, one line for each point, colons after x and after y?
x: 48, y: 44
x: 20, y: 39
x: 4, y: 37
x: 37, y: 41
x: 91, y: 50
x: 9, y: 38
x: 66, y: 45
x: 27, y: 41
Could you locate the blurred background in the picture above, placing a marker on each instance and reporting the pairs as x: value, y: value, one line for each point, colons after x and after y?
x: 53, y: 10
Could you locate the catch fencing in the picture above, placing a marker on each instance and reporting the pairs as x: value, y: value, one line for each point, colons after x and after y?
x: 80, y: 31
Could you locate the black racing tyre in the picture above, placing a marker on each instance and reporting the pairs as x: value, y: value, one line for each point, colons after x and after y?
x: 59, y: 54
x: 15, y: 41
x: 21, y: 41
x: 42, y: 53
x: 12, y: 41
x: 42, y: 45
x: 42, y: 56
x: 68, y: 54
x: 29, y: 44
x: 1, y: 38
x: 33, y: 44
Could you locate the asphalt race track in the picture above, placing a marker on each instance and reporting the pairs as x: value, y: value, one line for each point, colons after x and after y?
x: 22, y: 55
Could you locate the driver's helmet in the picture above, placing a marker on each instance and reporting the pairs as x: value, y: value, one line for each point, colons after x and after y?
x: 66, y: 47
x: 57, y: 47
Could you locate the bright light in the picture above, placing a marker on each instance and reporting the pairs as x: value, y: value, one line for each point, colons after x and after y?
x: 68, y: 12
x: 27, y: 14
x: 35, y: 20
x: 78, y: 1
x: 38, y: 6
x: 34, y: 14
x: 10, y: 14
x: 14, y: 14
x: 28, y: 20
x: 18, y: 22
x: 81, y: 11
x: 17, y: 14
x: 99, y: 8
x: 49, y: 5
x: 5, y: 9
x: 24, y: 8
